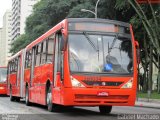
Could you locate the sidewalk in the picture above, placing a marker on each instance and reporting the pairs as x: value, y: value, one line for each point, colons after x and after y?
x: 152, y: 103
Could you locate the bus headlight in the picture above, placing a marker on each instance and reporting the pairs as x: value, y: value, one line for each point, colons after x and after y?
x: 129, y: 84
x: 76, y: 83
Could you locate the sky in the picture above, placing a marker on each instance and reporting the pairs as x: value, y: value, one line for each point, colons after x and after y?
x: 4, y: 5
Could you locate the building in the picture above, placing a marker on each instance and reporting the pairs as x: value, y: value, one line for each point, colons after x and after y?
x: 21, y: 9
x: 5, y: 40
x: 1, y: 29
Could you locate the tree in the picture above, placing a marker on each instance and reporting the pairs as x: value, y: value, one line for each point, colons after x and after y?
x: 46, y: 14
x: 19, y: 43
x: 147, y: 30
x: 144, y: 18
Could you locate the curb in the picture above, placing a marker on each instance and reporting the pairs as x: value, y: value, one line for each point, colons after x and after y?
x: 147, y: 106
x: 143, y: 104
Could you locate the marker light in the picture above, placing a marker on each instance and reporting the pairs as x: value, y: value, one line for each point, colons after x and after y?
x: 129, y: 84
x: 76, y: 83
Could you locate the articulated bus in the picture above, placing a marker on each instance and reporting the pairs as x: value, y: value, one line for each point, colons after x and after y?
x: 78, y: 62
x: 3, y: 81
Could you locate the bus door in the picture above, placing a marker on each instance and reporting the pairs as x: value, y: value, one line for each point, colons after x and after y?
x: 57, y: 75
x: 8, y: 77
x: 22, y: 73
x: 18, y: 75
x: 32, y: 85
x: 37, y: 73
x: 47, y: 65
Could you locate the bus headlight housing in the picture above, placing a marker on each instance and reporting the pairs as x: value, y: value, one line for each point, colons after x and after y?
x: 129, y: 84
x: 76, y: 83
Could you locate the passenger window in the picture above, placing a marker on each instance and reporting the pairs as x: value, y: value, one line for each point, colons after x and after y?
x: 50, y: 48
x: 59, y: 62
x: 38, y: 55
x: 16, y: 64
x: 9, y: 66
x: 28, y: 59
x: 43, y: 56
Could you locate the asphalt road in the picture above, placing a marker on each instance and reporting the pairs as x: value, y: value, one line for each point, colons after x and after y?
x: 19, y: 111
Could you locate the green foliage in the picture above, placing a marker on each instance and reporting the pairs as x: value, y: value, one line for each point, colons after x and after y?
x: 76, y: 12
x: 144, y: 18
x: 18, y: 44
x: 154, y: 95
x: 121, y: 4
x: 48, y: 13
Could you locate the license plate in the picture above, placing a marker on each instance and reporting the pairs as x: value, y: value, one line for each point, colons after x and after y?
x: 103, y: 93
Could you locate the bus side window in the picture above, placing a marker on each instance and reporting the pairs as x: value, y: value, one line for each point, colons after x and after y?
x: 28, y: 59
x: 38, y: 54
x: 12, y: 65
x: 44, y: 55
x: 9, y: 68
x: 12, y: 69
x: 50, y: 48
x: 59, y: 62
x: 16, y: 65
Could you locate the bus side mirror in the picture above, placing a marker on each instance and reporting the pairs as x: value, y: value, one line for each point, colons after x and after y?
x: 137, y: 51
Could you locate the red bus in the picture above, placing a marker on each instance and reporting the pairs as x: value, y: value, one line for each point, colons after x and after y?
x: 3, y: 81
x: 78, y: 62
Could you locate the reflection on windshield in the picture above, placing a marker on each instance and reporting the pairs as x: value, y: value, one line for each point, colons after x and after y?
x: 3, y: 74
x: 113, y: 54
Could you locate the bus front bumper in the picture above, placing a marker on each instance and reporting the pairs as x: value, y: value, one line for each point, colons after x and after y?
x: 93, y: 97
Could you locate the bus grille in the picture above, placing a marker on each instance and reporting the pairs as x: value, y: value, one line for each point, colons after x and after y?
x: 82, y: 96
x: 102, y: 83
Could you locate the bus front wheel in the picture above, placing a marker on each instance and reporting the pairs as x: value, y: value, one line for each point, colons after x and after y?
x: 105, y: 109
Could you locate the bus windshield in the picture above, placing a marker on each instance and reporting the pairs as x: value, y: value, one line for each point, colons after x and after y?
x: 100, y: 53
x: 3, y: 74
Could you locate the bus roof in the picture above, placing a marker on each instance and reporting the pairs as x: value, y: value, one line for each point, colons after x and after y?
x: 47, y: 34
x: 62, y: 25
x: 15, y: 55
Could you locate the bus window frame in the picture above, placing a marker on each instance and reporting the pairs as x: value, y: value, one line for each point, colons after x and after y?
x: 102, y: 33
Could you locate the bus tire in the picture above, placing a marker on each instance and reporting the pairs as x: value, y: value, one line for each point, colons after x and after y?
x: 17, y: 99
x: 27, y: 97
x: 11, y: 97
x: 105, y: 109
x: 50, y: 105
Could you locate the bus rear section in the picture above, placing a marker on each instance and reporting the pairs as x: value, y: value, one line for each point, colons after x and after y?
x: 3, y: 81
x: 15, y: 76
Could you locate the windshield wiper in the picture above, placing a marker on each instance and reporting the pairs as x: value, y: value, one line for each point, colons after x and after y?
x: 113, y: 43
x: 92, y: 44
x: 90, y: 41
